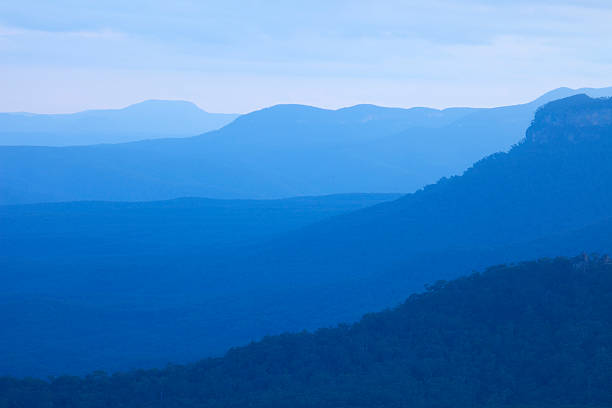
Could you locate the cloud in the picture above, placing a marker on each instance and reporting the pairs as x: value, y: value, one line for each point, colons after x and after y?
x: 246, y: 21
x: 6, y: 31
x: 469, y: 46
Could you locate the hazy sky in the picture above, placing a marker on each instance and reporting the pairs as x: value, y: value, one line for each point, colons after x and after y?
x: 236, y: 56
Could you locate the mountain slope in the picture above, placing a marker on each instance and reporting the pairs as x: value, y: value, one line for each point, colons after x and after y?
x: 558, y: 179
x: 533, y: 334
x: 270, y: 154
x: 150, y: 119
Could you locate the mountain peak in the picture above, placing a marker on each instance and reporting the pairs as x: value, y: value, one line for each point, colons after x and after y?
x: 573, y: 119
x: 153, y: 105
x: 565, y: 92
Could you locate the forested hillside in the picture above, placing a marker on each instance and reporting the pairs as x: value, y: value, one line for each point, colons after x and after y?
x: 536, y: 334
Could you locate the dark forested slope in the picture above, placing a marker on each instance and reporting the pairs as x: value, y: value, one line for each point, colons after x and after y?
x: 536, y: 334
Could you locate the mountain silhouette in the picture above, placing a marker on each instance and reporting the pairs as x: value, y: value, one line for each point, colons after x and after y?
x: 282, y: 151
x: 550, y: 195
x: 151, y: 119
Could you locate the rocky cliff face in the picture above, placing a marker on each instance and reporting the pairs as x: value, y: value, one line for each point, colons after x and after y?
x: 572, y: 120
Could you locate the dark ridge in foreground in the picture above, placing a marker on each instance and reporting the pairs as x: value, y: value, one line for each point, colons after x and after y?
x: 532, y: 334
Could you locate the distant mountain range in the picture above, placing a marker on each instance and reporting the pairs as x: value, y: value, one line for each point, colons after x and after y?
x: 537, y: 334
x: 152, y: 119
x: 551, y: 194
x: 282, y: 151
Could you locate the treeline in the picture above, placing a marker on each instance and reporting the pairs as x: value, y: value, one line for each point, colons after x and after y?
x: 531, y: 334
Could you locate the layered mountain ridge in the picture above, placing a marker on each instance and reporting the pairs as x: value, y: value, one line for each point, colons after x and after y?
x: 270, y: 154
x: 538, y: 199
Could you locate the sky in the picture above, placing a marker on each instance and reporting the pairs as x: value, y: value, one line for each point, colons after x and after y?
x: 238, y: 56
